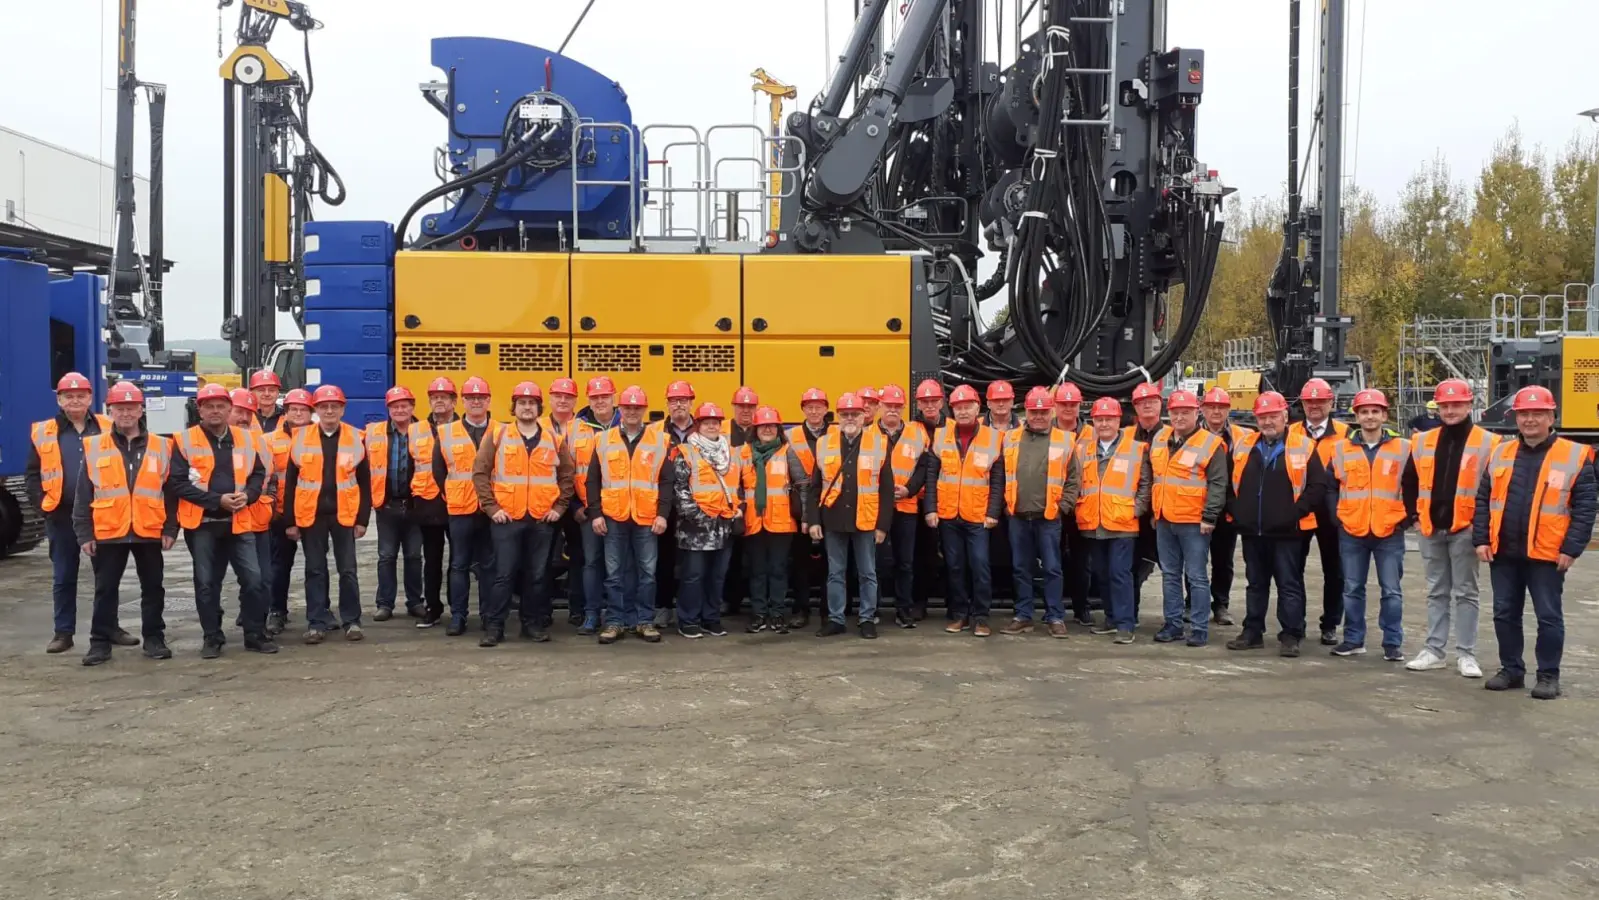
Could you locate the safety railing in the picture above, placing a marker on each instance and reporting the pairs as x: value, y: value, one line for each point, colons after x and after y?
x: 1527, y: 317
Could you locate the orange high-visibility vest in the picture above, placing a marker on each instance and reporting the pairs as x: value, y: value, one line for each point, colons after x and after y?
x: 377, y: 458
x: 715, y: 495
x: 1323, y: 446
x: 630, y: 484
x: 261, y: 512
x: 907, y: 454
x: 115, y: 508
x: 579, y: 437
x: 1369, y: 498
x: 196, y: 448
x: 779, y: 515
x: 421, y: 441
x: 307, y: 454
x: 1061, y: 446
x: 868, y: 467
x: 963, y: 482
x: 1551, y: 499
x: 1110, y: 503
x: 1474, y: 459
x: 802, y: 447
x: 1177, y: 493
x: 280, y: 442
x: 52, y: 478
x: 524, y: 482
x: 1297, y: 450
x: 460, y: 498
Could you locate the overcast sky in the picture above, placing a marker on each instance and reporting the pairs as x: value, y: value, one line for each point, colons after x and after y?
x: 1440, y: 78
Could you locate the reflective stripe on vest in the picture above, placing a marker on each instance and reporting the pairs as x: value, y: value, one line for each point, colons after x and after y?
x: 1061, y: 445
x: 262, y: 511
x: 1177, y: 492
x: 907, y: 454
x: 307, y: 455
x: 1474, y: 458
x: 377, y: 458
x: 280, y: 442
x: 578, y: 437
x: 52, y: 476
x: 524, y: 482
x: 115, y: 509
x: 630, y: 484
x: 1110, y: 504
x: 715, y: 495
x: 1297, y: 450
x: 963, y: 481
x: 196, y: 448
x: 1323, y: 446
x: 421, y: 442
x: 868, y: 469
x: 802, y: 447
x: 459, y: 455
x: 1550, y: 516
x: 779, y: 515
x: 1369, y: 498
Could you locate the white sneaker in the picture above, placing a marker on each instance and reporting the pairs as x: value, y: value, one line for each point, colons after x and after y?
x: 1426, y: 660
x: 1468, y: 667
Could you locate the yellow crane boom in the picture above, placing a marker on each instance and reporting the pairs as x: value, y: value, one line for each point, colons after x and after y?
x: 776, y: 92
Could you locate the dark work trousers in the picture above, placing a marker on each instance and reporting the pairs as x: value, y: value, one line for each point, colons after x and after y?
x: 1279, y: 560
x: 397, y: 531
x: 807, y: 570
x: 1075, y: 566
x: 572, y: 540
x: 65, y: 555
x: 901, y: 559
x: 521, y: 561
x: 1146, y: 559
x: 971, y: 590
x: 738, y: 576
x: 214, y: 547
x: 666, y: 567
x: 263, y: 557
x: 1513, y: 579
x: 283, y: 552
x: 1223, y: 544
x: 929, y: 566
x: 700, y: 588
x: 113, y: 560
x: 433, y: 540
x: 471, y: 553
x: 317, y: 599
x: 768, y: 554
x: 1327, y: 539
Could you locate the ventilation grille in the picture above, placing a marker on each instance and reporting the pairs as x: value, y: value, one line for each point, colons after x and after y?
x: 1585, y: 382
x: 1583, y: 362
x: 532, y: 357
x: 609, y: 358
x: 704, y: 358
x: 435, y: 356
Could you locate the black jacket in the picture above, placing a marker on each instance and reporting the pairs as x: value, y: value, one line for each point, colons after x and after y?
x: 132, y: 459
x: 71, y: 444
x: 1513, y: 528
x: 840, y: 517
x: 996, y: 484
x: 210, y: 499
x: 1264, y: 505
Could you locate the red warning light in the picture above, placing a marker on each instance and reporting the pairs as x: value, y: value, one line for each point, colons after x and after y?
x: 1194, y: 76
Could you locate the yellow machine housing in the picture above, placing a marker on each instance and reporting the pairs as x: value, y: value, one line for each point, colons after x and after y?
x: 1579, y: 384
x: 780, y: 324
x: 1243, y: 385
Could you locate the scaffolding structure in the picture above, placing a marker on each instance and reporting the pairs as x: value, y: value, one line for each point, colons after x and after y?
x: 1244, y: 353
x: 1432, y: 349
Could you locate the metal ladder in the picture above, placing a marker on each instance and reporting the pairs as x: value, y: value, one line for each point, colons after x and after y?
x: 1052, y: 52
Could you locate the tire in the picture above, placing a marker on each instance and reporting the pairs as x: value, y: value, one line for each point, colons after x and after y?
x: 21, y: 525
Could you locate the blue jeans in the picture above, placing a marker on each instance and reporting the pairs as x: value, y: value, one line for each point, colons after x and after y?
x: 839, y: 545
x: 471, y: 553
x: 1184, y: 552
x: 521, y: 558
x: 966, y: 557
x: 1389, y: 552
x: 1513, y: 580
x: 214, y: 547
x: 593, y: 573
x: 1035, y: 541
x: 1112, y: 560
x: 315, y: 541
x: 396, y: 529
x: 702, y: 574
x: 1268, y: 559
x: 631, y: 554
x: 65, y: 556
x: 283, y: 552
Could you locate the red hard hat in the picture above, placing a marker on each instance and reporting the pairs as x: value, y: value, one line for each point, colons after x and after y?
x: 1182, y: 400
x: 564, y: 386
x: 1106, y: 407
x: 768, y: 416
x: 893, y: 395
x: 870, y: 393
x: 74, y: 381
x: 1533, y: 397
x: 1270, y: 402
x: 243, y: 399
x: 1218, y: 397
x: 601, y: 386
x: 1316, y: 389
x: 633, y: 395
x: 125, y: 392
x: 264, y: 378
x: 299, y: 397
x: 1145, y: 391
x: 1001, y: 390
x: 212, y: 392
x: 1040, y: 398
x: 680, y: 390
x: 475, y: 387
x: 745, y: 397
x: 929, y: 390
x: 848, y: 402
x: 963, y: 394
x: 1452, y: 390
x: 441, y: 385
x: 398, y: 392
x: 813, y: 395
x: 526, y: 389
x: 1370, y: 397
x: 1068, y: 393
x: 708, y: 410
x: 327, y: 393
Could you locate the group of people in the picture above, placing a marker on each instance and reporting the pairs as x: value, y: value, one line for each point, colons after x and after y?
x: 700, y: 509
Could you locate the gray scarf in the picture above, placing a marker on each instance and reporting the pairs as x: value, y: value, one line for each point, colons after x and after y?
x: 716, y: 450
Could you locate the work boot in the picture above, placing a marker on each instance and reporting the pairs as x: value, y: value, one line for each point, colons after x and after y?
x: 905, y: 619
x: 980, y: 628
x: 1504, y: 681
x: 956, y: 626
x: 123, y: 639
x: 648, y: 633
x: 919, y: 611
x: 1247, y: 641
x: 1219, y: 616
x: 61, y: 643
x: 314, y: 636
x: 830, y: 628
x: 869, y: 630
x: 276, y: 623
x: 99, y: 652
x: 1058, y: 630
x: 457, y: 626
x: 589, y: 625
x: 1288, y: 647
x: 538, y: 634
x: 1547, y: 688
x: 1169, y: 633
x: 415, y: 610
x: 610, y: 634
x: 492, y: 636
x: 384, y: 614
x: 1018, y: 626
x: 1329, y: 637
x: 756, y: 626
x: 262, y: 644
x: 1124, y: 636
x: 429, y: 619
x: 574, y: 618
x: 353, y: 633
x: 156, y: 648
x: 801, y: 619
x: 1198, y: 640
x: 1104, y: 627
x: 211, y: 649
x: 778, y: 624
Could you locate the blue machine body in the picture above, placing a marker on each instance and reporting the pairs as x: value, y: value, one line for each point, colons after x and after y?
x: 25, y: 390
x: 349, y: 312
x: 77, y: 303
x: 488, y: 78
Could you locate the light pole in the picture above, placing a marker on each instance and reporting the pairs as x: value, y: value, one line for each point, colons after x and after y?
x: 1593, y: 116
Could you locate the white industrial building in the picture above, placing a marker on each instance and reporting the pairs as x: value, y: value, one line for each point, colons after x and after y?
x: 58, y: 191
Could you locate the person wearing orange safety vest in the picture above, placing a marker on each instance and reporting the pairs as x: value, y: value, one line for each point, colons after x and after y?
x: 739, y: 429
x: 1216, y: 407
x: 1534, y: 517
x: 965, y: 502
x: 630, y: 480
x: 523, y: 478
x: 123, y: 510
x: 1147, y: 407
x: 930, y: 413
x: 599, y: 416
x: 776, y: 507
x: 1316, y: 397
x: 218, y: 477
x: 388, y: 456
x: 1276, y: 484
x: 1188, y: 496
x: 908, y: 446
x: 244, y: 415
x: 1113, y: 494
x: 328, y: 495
x: 1041, y: 483
x: 1073, y: 551
x: 707, y: 493
x: 583, y: 600
x: 852, y: 510
x: 1450, y: 462
x: 265, y: 386
x: 807, y: 567
x: 470, y: 537
x: 296, y: 414
x: 428, y: 507
x: 1374, y: 478
x: 677, y: 426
